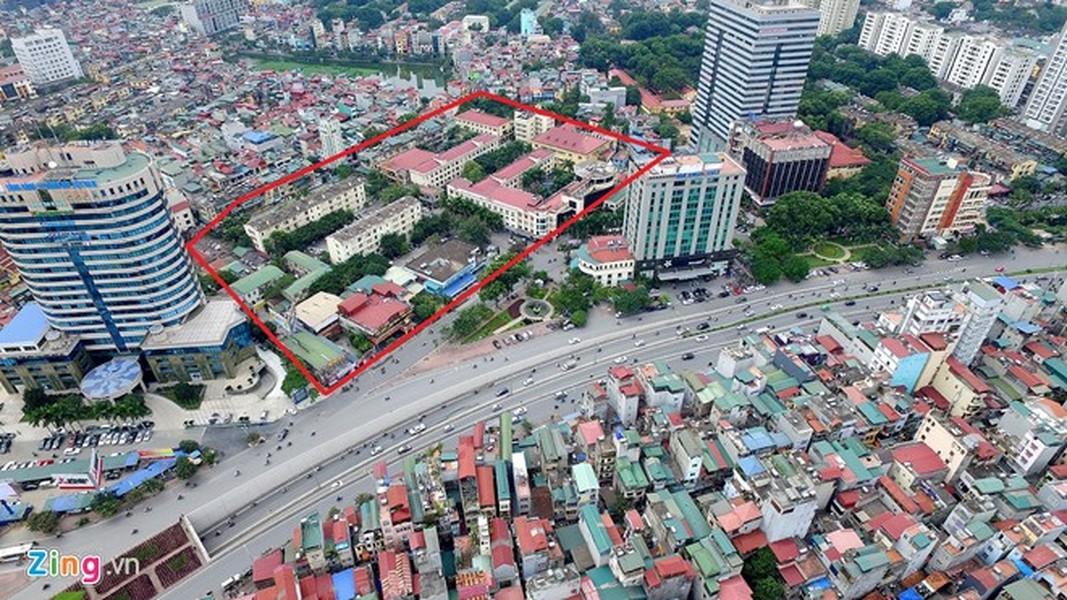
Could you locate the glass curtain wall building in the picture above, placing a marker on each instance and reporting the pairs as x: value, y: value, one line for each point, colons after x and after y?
x: 89, y: 229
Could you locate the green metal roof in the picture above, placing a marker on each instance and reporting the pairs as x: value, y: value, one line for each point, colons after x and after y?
x: 584, y: 477
x: 315, y: 351
x: 591, y: 518
x: 263, y: 276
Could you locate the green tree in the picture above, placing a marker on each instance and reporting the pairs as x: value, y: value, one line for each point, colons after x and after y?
x: 766, y: 270
x: 46, y: 521
x: 768, y: 588
x: 425, y: 305
x: 184, y: 468
x: 941, y: 10
x: 188, y: 446
x: 469, y: 320
x: 474, y: 231
x: 473, y: 172
x: 393, y: 245
x: 795, y: 268
x: 630, y: 302
x: 980, y: 104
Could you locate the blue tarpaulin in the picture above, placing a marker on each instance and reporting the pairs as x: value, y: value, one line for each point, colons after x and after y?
x: 344, y: 585
x: 909, y: 594
x: 138, y: 477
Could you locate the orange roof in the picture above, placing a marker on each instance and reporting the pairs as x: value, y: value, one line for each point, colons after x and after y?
x: 609, y: 249
x: 486, y: 490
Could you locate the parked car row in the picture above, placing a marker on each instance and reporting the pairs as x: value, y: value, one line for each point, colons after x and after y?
x: 130, y: 433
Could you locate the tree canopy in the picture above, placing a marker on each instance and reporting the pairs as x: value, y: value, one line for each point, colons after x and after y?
x: 980, y: 104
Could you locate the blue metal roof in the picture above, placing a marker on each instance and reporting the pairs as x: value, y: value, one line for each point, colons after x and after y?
x: 138, y: 477
x: 1005, y: 282
x: 28, y: 327
x: 258, y: 137
x: 344, y: 585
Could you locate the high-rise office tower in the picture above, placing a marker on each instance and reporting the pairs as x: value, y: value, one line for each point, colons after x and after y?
x: 209, y: 17
x: 330, y: 138
x: 680, y: 215
x: 756, y: 57
x: 1048, y: 101
x: 45, y: 56
x: 89, y: 229
x: 835, y: 16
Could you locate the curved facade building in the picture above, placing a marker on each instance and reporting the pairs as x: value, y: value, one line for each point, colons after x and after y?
x: 89, y: 229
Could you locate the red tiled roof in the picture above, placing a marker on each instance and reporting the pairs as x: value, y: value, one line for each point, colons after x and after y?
x: 785, y: 550
x: 922, y: 458
x: 791, y: 575
x: 936, y: 341
x: 735, y: 588
x: 750, y: 542
x: 466, y: 457
x: 896, y: 525
x: 609, y: 248
x: 263, y: 567
x: 841, y: 154
x: 532, y: 535
x: 973, y: 381
x: 486, y: 491
x: 895, y: 348
x: 1041, y: 556
x: 570, y: 139
x: 481, y: 118
x: 373, y: 312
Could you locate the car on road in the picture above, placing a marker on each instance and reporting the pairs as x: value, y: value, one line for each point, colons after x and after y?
x: 336, y: 484
x: 72, y: 451
x: 802, y: 315
x: 403, y: 449
x: 703, y: 325
x: 620, y: 360
x: 559, y: 395
x: 999, y: 269
x: 496, y: 407
x: 702, y: 337
x: 955, y: 258
x: 639, y: 343
x: 284, y: 433
x: 850, y: 303
x: 688, y: 356
x: 449, y: 427
x: 502, y: 392
x: 520, y: 411
x: 528, y: 381
x: 417, y: 429
x: 741, y: 300
x: 724, y: 294
x: 775, y: 307
x: 375, y: 451
x: 574, y: 340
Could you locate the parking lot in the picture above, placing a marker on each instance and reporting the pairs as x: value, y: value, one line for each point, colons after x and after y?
x: 72, y: 443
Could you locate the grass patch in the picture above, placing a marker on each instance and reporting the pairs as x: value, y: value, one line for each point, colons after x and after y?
x: 146, y: 554
x: 177, y: 563
x: 829, y: 250
x: 499, y: 320
x: 816, y: 262
x: 859, y: 253
x: 313, y: 68
x: 186, y: 395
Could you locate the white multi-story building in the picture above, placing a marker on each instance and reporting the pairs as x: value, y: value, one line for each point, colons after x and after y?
x: 45, y: 57
x: 680, y: 215
x: 607, y: 259
x: 1048, y: 101
x: 88, y: 227
x: 931, y: 312
x: 1039, y: 432
x: 956, y: 57
x: 756, y: 56
x: 364, y: 235
x: 330, y: 138
x: 835, y: 16
x: 529, y: 125
x: 209, y: 17
x: 348, y: 194
x: 983, y: 305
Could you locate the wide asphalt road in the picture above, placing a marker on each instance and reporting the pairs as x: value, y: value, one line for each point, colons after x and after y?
x: 265, y: 502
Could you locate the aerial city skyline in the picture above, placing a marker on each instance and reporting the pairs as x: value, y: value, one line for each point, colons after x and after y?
x: 288, y: 309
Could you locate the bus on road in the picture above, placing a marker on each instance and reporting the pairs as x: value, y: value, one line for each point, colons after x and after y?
x: 16, y: 553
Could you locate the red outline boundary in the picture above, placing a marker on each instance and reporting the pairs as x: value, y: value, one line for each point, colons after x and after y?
x: 325, y: 391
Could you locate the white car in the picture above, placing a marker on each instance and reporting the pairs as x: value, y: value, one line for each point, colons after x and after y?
x: 574, y: 340
x: 776, y: 307
x: 529, y: 381
x: 336, y: 484
x: 701, y: 338
x: 496, y: 406
x: 520, y: 411
x: 417, y: 429
x: 449, y: 427
x: 72, y: 451
x: 620, y: 360
x: 375, y: 451
x: 639, y: 343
